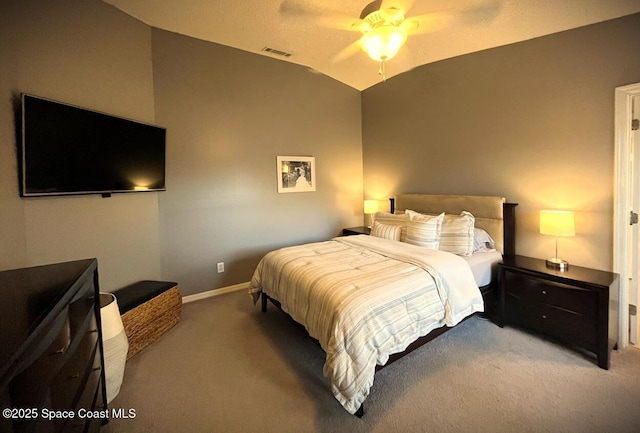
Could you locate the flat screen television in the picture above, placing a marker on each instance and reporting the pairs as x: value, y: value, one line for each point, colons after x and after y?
x: 71, y: 150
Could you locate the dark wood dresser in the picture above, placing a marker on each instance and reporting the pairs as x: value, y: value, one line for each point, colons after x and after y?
x: 578, y: 306
x: 51, y: 360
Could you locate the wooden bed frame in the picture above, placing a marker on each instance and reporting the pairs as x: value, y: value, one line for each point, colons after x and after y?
x: 455, y: 205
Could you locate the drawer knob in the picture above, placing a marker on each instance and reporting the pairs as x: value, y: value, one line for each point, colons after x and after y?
x: 544, y: 316
x: 544, y: 292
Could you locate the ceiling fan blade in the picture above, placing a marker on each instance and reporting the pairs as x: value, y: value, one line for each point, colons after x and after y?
x: 293, y: 7
x: 348, y: 51
x: 480, y: 14
x: 341, y: 22
x: 320, y: 16
x: 436, y: 21
x: 427, y: 23
x: 403, y: 5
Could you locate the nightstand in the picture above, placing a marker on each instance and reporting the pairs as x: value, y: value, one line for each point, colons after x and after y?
x: 356, y: 231
x: 578, y: 307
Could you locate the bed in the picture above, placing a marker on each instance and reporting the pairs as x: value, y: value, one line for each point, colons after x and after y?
x: 369, y: 300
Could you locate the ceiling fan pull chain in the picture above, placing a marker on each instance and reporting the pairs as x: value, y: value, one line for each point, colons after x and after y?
x: 381, y: 71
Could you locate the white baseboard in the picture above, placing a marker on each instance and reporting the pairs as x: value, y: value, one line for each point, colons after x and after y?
x: 215, y: 292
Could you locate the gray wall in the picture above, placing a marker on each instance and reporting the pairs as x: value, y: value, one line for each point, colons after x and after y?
x: 89, y: 54
x: 229, y: 114
x: 533, y: 121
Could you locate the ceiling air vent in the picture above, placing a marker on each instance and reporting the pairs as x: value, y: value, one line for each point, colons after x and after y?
x: 278, y: 52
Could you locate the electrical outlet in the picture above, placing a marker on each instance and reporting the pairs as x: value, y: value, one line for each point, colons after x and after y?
x: 220, y: 267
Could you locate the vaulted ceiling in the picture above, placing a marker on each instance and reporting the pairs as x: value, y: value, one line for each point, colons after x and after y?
x: 319, y: 34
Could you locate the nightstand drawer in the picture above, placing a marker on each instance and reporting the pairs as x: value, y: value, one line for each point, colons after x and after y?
x: 559, y: 323
x: 573, y: 299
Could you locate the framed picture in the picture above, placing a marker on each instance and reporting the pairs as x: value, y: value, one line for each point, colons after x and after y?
x: 296, y: 174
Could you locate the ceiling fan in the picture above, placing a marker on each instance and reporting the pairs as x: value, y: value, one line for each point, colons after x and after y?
x: 383, y: 24
x: 384, y: 29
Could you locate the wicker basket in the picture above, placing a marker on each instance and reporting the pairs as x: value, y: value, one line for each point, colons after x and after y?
x: 148, y: 321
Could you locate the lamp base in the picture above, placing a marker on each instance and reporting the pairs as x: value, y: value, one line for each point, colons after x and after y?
x: 556, y: 263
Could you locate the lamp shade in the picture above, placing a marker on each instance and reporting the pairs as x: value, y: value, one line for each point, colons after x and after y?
x: 557, y: 223
x: 370, y: 206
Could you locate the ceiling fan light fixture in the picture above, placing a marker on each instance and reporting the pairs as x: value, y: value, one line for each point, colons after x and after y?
x: 384, y: 42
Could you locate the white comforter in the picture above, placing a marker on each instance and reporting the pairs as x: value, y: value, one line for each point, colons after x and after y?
x: 364, y: 298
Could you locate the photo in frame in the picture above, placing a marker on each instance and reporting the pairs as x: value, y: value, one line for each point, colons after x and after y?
x: 296, y: 174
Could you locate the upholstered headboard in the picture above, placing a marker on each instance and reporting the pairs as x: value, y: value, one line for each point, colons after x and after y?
x: 489, y: 212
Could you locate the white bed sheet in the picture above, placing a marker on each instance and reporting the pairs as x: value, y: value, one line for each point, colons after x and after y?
x: 484, y: 266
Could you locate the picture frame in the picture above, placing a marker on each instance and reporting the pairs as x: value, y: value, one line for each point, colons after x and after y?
x: 296, y: 174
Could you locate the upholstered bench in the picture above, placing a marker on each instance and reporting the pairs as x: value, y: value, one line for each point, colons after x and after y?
x: 148, y: 309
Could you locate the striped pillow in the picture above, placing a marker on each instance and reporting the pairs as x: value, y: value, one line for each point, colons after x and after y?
x: 393, y: 220
x: 425, y: 231
x: 386, y: 231
x: 457, y: 234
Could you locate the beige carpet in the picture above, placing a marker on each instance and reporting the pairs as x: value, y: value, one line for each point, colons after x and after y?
x: 229, y: 368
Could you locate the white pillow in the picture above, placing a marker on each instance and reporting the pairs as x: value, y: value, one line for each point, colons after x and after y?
x: 386, y: 231
x: 425, y: 231
x: 482, y: 241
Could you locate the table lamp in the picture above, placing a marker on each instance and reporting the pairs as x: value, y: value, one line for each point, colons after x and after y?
x: 557, y: 223
x: 370, y: 207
